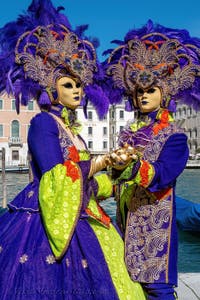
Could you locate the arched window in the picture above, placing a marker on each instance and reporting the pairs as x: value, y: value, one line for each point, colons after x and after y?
x: 15, y: 128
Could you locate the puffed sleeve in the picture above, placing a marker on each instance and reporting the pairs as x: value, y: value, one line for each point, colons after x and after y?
x: 43, y: 140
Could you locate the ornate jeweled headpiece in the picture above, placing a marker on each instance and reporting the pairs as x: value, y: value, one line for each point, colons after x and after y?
x: 162, y: 59
x: 46, y: 48
x: 49, y: 52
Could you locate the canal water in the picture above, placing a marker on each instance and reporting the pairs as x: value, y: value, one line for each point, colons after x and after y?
x: 188, y: 187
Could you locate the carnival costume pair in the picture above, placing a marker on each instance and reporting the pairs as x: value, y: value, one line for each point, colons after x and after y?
x: 56, y: 242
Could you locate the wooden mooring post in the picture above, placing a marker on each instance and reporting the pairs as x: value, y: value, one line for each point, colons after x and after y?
x: 4, y: 190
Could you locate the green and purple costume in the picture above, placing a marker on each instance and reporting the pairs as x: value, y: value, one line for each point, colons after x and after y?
x: 56, y: 242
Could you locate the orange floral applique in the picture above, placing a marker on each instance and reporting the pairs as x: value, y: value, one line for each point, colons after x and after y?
x: 72, y: 170
x: 163, y: 122
x: 144, y: 170
x: 73, y: 154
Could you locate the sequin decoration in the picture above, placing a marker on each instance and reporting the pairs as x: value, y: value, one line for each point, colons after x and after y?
x: 30, y: 194
x: 67, y: 262
x: 84, y: 263
x: 50, y: 259
x: 23, y: 258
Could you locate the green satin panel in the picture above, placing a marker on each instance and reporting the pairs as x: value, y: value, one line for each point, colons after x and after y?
x: 60, y: 203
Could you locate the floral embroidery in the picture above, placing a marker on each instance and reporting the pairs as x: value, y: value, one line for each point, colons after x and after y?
x: 84, y: 263
x: 30, y: 194
x: 72, y: 170
x: 67, y: 262
x: 73, y: 154
x: 50, y: 259
x: 23, y: 258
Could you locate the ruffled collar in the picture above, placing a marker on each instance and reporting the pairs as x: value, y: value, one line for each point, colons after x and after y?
x: 139, y: 133
x: 68, y: 116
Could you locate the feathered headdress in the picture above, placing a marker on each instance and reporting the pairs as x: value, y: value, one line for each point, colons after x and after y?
x: 159, y: 56
x: 46, y: 48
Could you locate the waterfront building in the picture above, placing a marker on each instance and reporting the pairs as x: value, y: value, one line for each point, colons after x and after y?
x: 100, y: 136
x: 189, y: 119
x: 14, y: 129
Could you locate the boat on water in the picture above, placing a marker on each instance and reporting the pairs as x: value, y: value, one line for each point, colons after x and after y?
x: 16, y: 169
x: 187, y: 214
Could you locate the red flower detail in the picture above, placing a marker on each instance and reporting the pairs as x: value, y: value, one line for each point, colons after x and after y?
x: 73, y: 154
x: 144, y: 169
x: 71, y: 170
x: 163, y: 122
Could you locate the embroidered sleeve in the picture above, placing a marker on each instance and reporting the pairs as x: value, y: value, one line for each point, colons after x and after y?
x: 60, y: 202
x: 170, y: 163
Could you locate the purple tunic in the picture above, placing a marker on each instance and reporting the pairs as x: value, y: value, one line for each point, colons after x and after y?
x: 147, y: 201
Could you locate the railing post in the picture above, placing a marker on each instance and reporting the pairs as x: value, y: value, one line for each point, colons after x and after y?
x: 4, y: 201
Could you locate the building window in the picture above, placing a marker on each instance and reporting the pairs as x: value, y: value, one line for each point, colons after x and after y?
x: 89, y: 130
x: 90, y: 115
x: 113, y: 114
x: 30, y: 105
x: 121, y: 114
x: 1, y: 103
x: 90, y: 144
x: 105, y: 145
x: 15, y: 129
x: 15, y: 155
x: 13, y: 104
x: 195, y: 133
x: 105, y: 130
x: 1, y: 130
x: 113, y: 129
x: 121, y: 128
x: 184, y: 112
x: 105, y: 118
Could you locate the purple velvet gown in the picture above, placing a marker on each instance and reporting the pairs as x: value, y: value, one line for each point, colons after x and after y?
x: 29, y: 269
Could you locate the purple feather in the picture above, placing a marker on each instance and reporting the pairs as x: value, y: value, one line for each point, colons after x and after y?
x: 98, y: 99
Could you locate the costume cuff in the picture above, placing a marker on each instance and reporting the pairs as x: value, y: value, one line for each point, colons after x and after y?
x: 145, y: 174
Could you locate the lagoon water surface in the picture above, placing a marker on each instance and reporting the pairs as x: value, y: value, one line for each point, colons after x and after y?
x: 188, y: 187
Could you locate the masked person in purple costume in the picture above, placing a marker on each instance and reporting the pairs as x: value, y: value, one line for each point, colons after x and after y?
x: 56, y: 242
x: 153, y: 67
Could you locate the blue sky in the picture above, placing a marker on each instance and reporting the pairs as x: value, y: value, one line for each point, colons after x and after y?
x: 111, y: 19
